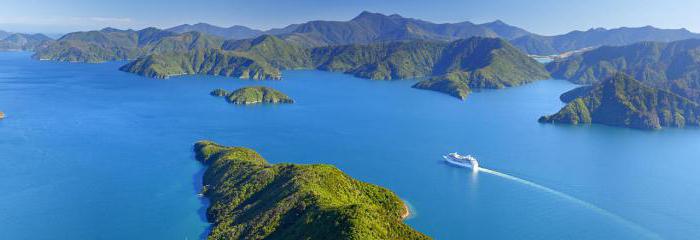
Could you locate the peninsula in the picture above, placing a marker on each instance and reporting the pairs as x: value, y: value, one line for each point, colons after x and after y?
x: 253, y: 199
x: 670, y: 66
x: 625, y: 102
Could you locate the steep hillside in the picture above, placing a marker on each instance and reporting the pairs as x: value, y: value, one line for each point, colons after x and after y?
x: 672, y: 66
x: 208, y: 61
x: 625, y: 102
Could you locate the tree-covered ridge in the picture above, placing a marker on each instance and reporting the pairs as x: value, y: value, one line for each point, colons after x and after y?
x: 625, y: 102
x: 253, y: 199
x: 203, y: 61
x: 575, y: 40
x: 253, y: 95
x: 477, y: 62
x: 672, y: 66
x: 384, y: 61
x: 112, y: 45
x: 272, y: 50
x: 481, y: 63
x: 23, y: 42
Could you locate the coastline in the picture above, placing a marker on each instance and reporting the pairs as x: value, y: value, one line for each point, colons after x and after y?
x: 406, y: 211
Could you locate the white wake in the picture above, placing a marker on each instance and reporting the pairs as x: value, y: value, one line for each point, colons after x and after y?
x: 588, y: 205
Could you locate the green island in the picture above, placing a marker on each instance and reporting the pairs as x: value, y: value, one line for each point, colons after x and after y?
x: 623, y: 101
x: 673, y: 66
x: 253, y: 95
x: 253, y: 199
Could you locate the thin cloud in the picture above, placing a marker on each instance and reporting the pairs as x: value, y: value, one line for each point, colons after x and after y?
x: 110, y: 19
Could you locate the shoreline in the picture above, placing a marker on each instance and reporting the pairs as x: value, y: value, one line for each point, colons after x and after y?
x: 406, y: 212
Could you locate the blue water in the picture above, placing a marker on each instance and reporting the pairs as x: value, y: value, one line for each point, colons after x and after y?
x: 89, y: 152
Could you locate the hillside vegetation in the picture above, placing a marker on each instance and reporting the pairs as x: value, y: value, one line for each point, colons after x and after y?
x: 253, y: 199
x: 671, y: 66
x: 625, y: 102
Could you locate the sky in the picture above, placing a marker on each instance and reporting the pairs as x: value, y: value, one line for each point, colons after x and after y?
x: 547, y: 17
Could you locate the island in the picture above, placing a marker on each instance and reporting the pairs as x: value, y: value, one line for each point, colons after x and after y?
x: 253, y: 199
x: 219, y: 92
x: 253, y: 95
x: 625, y: 102
x: 2, y: 115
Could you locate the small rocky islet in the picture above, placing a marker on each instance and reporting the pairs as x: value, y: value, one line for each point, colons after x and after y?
x: 253, y: 95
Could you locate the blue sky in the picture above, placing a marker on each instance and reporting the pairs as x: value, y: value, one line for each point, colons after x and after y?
x: 540, y: 16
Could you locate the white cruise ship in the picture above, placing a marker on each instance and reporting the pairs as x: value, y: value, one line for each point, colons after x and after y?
x: 462, y: 161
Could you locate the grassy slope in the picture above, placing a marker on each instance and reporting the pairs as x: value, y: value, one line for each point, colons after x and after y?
x: 252, y: 199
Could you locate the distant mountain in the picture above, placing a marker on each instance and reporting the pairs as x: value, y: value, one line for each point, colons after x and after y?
x: 370, y: 27
x: 505, y: 31
x: 549, y: 45
x: 4, y: 34
x: 111, y: 44
x: 672, y: 66
x: 623, y: 101
x: 284, y: 30
x: 233, y: 32
x: 23, y: 42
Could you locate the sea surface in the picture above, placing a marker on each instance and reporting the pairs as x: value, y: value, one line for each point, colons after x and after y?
x: 89, y: 152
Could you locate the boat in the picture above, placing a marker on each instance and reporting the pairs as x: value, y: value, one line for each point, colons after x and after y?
x: 463, y: 161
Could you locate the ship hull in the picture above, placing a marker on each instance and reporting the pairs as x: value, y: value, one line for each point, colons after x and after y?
x: 460, y: 164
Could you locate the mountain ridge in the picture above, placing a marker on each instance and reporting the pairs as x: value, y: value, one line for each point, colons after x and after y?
x: 674, y: 66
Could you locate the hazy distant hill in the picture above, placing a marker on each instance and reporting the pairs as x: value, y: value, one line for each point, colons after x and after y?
x: 4, y: 34
x: 548, y: 45
x: 23, y: 42
x: 673, y: 66
x: 375, y: 27
x: 233, y: 32
x: 111, y: 44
